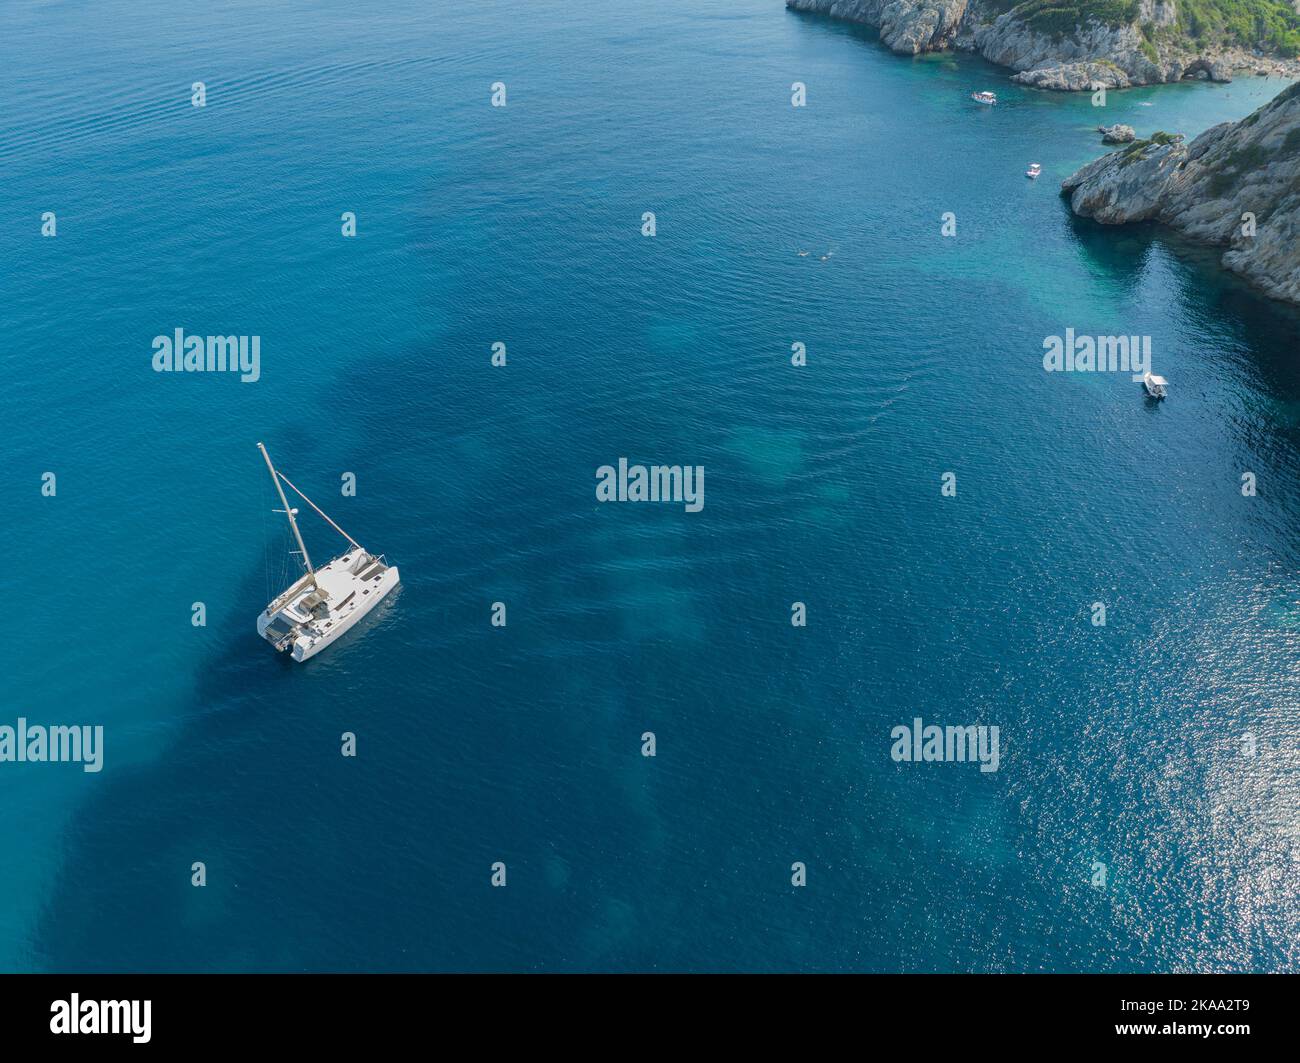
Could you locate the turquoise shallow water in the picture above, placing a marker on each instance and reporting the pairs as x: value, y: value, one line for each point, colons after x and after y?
x: 1120, y: 745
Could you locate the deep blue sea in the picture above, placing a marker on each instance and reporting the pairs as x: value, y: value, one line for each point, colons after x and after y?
x: 1123, y: 747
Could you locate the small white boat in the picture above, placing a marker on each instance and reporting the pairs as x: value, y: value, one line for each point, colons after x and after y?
x: 1156, y: 385
x: 1034, y: 170
x: 324, y: 602
x: 984, y: 97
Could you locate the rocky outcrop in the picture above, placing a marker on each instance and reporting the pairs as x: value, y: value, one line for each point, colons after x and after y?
x: 910, y: 28
x: 1148, y: 50
x: 1074, y: 77
x: 1088, y: 57
x: 906, y: 26
x: 1236, y: 186
x: 1126, y: 185
x: 1117, y: 134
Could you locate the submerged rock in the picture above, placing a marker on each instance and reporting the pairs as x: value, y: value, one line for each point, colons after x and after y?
x: 1236, y: 186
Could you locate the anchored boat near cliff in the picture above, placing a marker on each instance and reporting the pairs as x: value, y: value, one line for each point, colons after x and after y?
x: 325, y: 602
x: 1034, y: 170
x: 984, y: 97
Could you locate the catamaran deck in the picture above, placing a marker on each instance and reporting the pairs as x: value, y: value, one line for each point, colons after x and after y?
x: 325, y: 602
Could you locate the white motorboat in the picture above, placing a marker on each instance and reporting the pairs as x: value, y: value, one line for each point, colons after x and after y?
x: 324, y: 602
x: 984, y: 97
x: 1034, y: 170
x: 1156, y: 385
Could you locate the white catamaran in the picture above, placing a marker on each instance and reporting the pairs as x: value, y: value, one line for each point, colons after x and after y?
x: 325, y: 602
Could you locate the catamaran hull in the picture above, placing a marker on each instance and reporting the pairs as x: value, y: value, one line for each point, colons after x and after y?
x: 305, y: 646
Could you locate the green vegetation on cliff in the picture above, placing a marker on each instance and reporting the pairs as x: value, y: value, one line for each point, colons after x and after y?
x: 1061, y: 16
x: 1268, y: 24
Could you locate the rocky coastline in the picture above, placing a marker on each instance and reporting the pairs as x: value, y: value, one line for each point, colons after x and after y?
x: 1236, y: 186
x: 1145, y: 51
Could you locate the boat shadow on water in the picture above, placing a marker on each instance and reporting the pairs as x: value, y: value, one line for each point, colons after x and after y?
x: 1121, y: 252
x: 298, y: 840
x: 260, y: 740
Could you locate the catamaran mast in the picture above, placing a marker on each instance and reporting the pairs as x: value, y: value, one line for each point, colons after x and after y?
x: 289, y: 513
x: 317, y: 508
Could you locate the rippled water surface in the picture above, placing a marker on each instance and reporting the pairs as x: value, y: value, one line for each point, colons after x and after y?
x: 1121, y: 746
